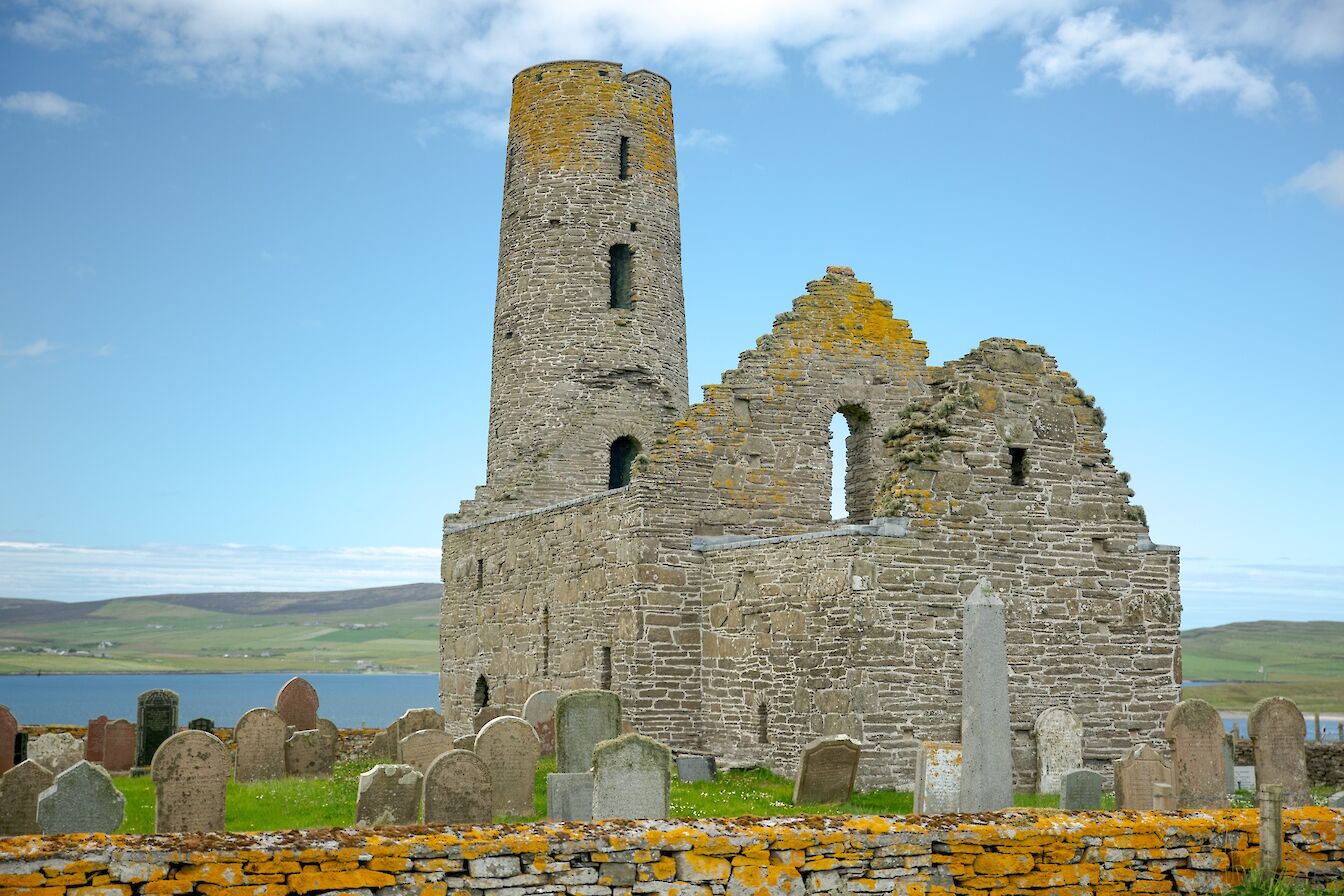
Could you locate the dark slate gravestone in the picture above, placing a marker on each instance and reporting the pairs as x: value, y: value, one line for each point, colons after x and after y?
x: 20, y: 747
x: 696, y: 768
x: 1080, y: 790
x: 202, y: 725
x: 155, y: 722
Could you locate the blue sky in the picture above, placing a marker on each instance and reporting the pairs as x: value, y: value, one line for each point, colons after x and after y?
x: 248, y: 249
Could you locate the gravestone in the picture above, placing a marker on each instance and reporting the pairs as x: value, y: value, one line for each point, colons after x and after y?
x: 465, y: 742
x: 1135, y: 774
x: 632, y: 778
x: 696, y: 768
x: 569, y: 796
x: 1336, y: 800
x: 583, y: 719
x: 1229, y: 761
x: 378, y: 746
x: 1164, y: 797
x: 1080, y: 791
x: 458, y: 790
x: 1278, y: 735
x: 1059, y: 747
x: 937, y: 778
x: 259, y: 737
x: 155, y: 722
x: 19, y: 789
x: 20, y: 747
x: 1196, y: 733
x: 1243, y: 776
x: 539, y: 711
x: 95, y: 738
x: 56, y: 751
x: 986, y: 739
x: 308, y: 754
x: 190, y: 772
x: 420, y: 748
x: 510, y: 750
x: 388, y: 794
x: 9, y: 731
x: 202, y: 724
x: 485, y: 715
x: 297, y: 704
x: 81, y: 800
x: 119, y: 746
x: 826, y: 770
x: 411, y: 721
x: 330, y: 732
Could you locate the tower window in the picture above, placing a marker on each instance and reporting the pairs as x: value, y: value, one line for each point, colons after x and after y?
x: 623, y: 453
x: 622, y: 270
x: 606, y: 668
x: 762, y: 723
x: 1018, y: 465
x: 480, y: 574
x: 545, y: 640
x: 625, y: 158
x: 482, y: 696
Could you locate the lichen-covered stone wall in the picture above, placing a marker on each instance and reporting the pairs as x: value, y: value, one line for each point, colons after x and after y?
x: 1016, y: 852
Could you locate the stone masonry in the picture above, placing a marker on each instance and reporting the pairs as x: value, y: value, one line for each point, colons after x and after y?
x: 713, y: 592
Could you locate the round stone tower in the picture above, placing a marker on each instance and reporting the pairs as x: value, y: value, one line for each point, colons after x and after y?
x: 590, y: 327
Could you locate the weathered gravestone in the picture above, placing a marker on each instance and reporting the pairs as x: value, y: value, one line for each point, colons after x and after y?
x: 119, y: 746
x: 1135, y: 774
x: 260, y: 739
x: 420, y: 748
x: 1229, y: 764
x: 1059, y: 747
x: 388, y: 794
x: 696, y: 768
x: 81, y: 800
x: 1164, y: 797
x: 1336, y: 800
x: 510, y: 749
x: 155, y: 722
x: 465, y: 742
x: 56, y: 751
x: 569, y: 796
x: 485, y: 715
x: 411, y: 721
x: 297, y: 704
x: 539, y: 711
x: 937, y: 778
x: 202, y: 724
x: 458, y: 790
x: 1278, y: 734
x: 95, y: 739
x: 190, y: 772
x: 1243, y: 777
x: 330, y: 732
x: 986, y: 739
x: 1196, y: 733
x: 19, y: 789
x: 379, y: 746
x: 632, y: 778
x: 1080, y: 791
x: 583, y: 719
x: 826, y: 770
x: 9, y: 731
x: 308, y: 754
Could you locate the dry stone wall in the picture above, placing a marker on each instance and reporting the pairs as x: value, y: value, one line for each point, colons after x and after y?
x: 1019, y: 852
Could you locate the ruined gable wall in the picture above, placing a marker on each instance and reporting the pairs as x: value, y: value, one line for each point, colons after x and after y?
x: 862, y: 634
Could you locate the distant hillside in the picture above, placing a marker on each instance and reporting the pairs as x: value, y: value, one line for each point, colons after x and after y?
x: 394, y: 628
x: 1301, y: 660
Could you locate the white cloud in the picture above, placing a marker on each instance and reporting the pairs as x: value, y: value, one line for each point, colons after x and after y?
x: 45, y: 105
x: 1325, y: 179
x: 1143, y: 59
x: 863, y: 50
x: 702, y: 138
x: 76, y: 572
x: 33, y: 349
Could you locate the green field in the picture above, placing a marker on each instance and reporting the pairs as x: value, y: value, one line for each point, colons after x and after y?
x: 1301, y: 660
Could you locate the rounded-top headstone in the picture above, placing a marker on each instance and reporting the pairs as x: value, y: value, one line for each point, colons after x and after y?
x: 583, y: 719
x: 510, y: 749
x: 9, y: 730
x: 259, y: 737
x: 82, y: 800
x: 19, y: 789
x: 632, y: 778
x: 191, y: 775
x: 388, y: 794
x: 1279, y: 734
x: 826, y: 770
x: 1196, y: 733
x: 309, y: 754
x: 420, y: 748
x: 458, y: 791
x: 297, y: 704
x: 56, y: 751
x: 539, y: 711
x: 485, y: 715
x: 1059, y: 747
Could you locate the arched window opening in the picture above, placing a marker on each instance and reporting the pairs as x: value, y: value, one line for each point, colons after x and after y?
x: 545, y: 640
x: 762, y: 723
x: 853, y: 479
x: 606, y: 668
x: 482, y: 696
x: 622, y: 259
x: 623, y: 453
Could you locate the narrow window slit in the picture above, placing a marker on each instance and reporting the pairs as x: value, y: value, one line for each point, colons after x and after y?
x: 1018, y: 465
x: 482, y: 696
x: 762, y: 723
x: 625, y: 158
x: 622, y: 259
x: 606, y: 668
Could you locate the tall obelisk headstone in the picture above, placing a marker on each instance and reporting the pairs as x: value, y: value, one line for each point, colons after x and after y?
x: 986, y: 739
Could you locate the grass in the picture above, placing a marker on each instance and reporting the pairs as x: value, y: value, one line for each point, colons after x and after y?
x: 1303, y: 661
x: 1258, y: 883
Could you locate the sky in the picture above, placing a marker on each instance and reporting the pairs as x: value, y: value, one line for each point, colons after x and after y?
x: 248, y: 251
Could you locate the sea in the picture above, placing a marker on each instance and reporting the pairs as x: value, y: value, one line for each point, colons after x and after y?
x: 348, y: 699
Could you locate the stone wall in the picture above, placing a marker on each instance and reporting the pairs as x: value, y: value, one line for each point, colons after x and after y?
x: 1325, y: 761
x: 1010, y: 852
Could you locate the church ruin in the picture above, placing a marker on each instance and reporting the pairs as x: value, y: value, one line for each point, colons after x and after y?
x: 686, y: 556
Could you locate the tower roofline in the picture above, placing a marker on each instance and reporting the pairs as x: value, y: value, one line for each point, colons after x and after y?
x: 570, y: 63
